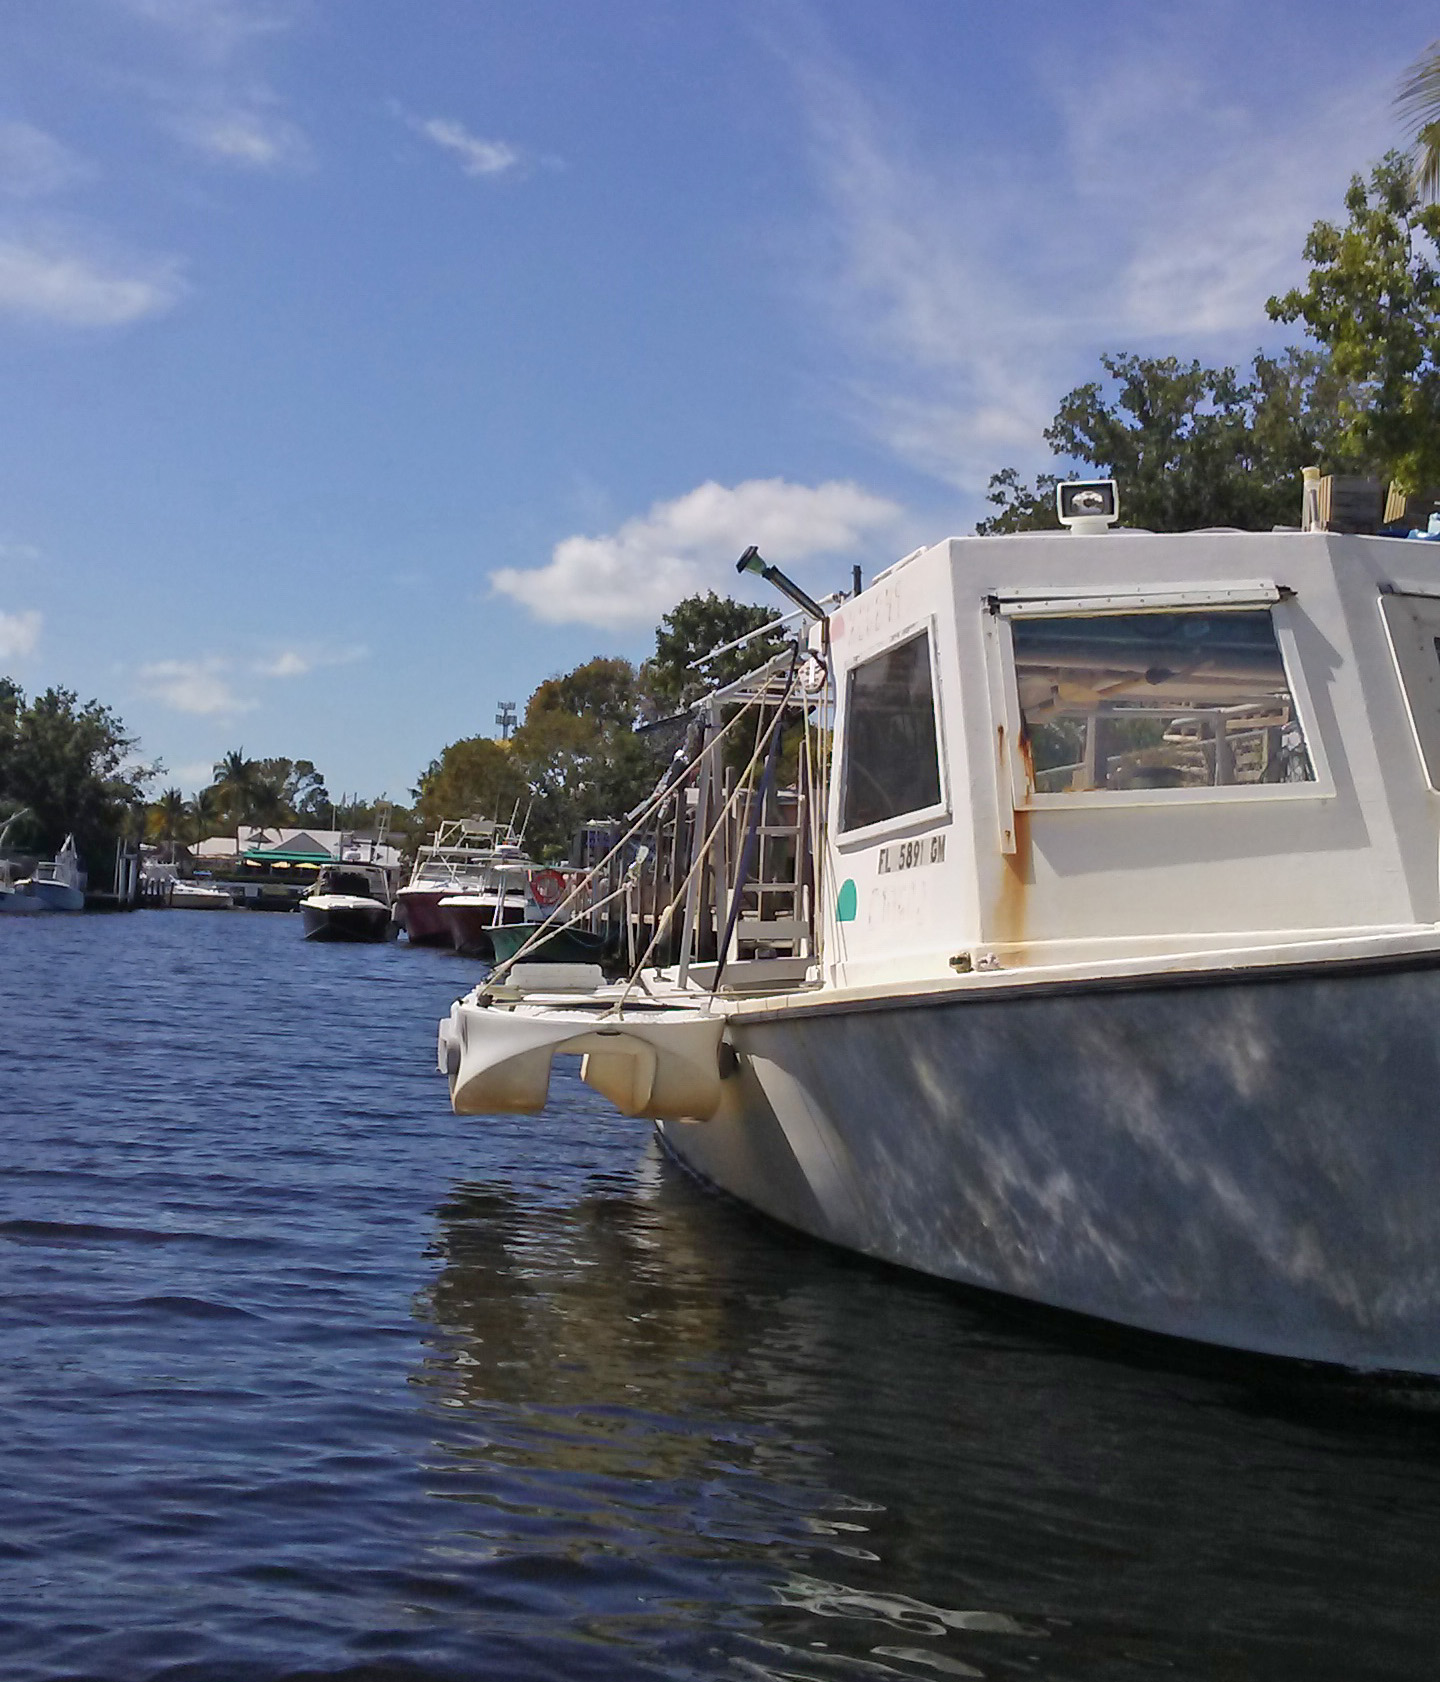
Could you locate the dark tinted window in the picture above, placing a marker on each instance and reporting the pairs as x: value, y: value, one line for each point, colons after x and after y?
x: 892, y: 761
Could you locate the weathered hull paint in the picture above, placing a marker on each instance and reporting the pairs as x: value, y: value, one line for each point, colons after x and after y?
x: 1253, y: 1163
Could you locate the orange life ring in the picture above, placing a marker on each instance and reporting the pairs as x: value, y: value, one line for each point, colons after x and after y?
x: 546, y: 887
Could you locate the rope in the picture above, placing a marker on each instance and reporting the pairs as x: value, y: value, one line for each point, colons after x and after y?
x: 659, y: 797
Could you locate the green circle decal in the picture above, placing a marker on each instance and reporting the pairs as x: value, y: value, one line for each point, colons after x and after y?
x: 845, y: 902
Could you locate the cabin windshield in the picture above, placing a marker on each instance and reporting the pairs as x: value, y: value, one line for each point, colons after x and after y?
x: 892, y: 758
x: 1183, y: 700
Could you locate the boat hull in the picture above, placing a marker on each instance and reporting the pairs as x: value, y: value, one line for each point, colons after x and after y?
x: 562, y: 946
x: 421, y: 918
x: 18, y: 902
x: 343, y: 918
x: 1246, y: 1162
x: 54, y: 896
x: 471, y: 924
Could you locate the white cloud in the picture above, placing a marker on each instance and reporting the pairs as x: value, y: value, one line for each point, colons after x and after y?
x: 213, y: 30
x: 19, y: 633
x: 194, y: 686
x: 248, y: 138
x: 477, y: 157
x: 199, y: 773
x: 971, y: 290
x: 221, y: 683
x: 34, y: 164
x: 639, y: 572
x: 49, y: 280
x: 299, y: 662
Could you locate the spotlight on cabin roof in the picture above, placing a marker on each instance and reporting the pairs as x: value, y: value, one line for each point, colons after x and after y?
x: 1087, y: 505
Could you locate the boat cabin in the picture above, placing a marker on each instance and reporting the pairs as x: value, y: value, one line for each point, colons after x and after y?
x: 1055, y: 748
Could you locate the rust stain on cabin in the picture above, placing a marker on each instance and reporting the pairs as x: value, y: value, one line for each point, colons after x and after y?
x: 1009, y: 914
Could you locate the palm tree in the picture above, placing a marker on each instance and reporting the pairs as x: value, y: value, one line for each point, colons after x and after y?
x: 167, y: 820
x: 1419, y: 102
x: 204, y: 813
x: 236, y: 784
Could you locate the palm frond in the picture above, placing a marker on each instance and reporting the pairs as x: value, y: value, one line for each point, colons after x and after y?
x: 1418, y: 100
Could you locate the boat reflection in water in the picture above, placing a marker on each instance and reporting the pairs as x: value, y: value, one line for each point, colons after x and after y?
x: 707, y: 1447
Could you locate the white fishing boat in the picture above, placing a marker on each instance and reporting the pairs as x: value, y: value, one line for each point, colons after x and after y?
x: 350, y: 901
x: 474, y: 869
x: 58, y: 883
x: 1116, y: 981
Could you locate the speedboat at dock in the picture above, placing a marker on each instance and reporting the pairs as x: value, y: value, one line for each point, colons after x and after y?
x: 351, y: 902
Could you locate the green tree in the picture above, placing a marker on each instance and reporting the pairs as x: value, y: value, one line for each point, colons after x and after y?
x: 236, y: 785
x: 205, y: 814
x: 72, y: 765
x: 1190, y: 446
x: 579, y: 752
x: 682, y: 668
x: 168, y: 821
x: 473, y: 778
x: 1373, y: 301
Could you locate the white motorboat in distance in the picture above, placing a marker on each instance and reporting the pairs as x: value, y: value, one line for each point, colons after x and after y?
x: 59, y: 884
x: 351, y: 902
x: 187, y: 894
x: 1124, y: 992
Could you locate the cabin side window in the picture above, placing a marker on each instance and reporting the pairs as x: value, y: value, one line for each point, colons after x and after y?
x: 1413, y: 624
x: 1194, y: 699
x: 892, y: 754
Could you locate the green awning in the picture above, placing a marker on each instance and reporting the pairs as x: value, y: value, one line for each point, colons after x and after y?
x: 282, y: 856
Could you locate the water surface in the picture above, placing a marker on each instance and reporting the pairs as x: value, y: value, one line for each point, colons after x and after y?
x: 305, y: 1377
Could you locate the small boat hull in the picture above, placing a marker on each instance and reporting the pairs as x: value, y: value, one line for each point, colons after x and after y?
x: 20, y: 902
x: 477, y: 925
x: 1243, y: 1162
x: 346, y: 917
x: 557, y: 946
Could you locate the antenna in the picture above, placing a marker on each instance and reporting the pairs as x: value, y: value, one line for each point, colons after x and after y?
x: 505, y: 718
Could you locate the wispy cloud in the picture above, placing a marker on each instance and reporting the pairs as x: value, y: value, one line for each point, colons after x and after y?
x: 34, y: 164
x: 971, y: 292
x: 213, y: 30
x: 477, y: 157
x: 194, y: 686
x: 224, y: 683
x: 206, y: 83
x: 58, y: 279
x: 19, y: 633
x: 633, y: 575
x: 301, y: 661
x: 249, y: 138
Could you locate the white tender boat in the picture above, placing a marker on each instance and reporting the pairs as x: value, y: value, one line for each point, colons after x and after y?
x: 1116, y: 984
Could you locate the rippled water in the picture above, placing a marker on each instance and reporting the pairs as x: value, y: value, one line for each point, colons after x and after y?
x: 304, y: 1376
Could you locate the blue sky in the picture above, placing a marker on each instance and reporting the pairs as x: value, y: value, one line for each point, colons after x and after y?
x: 366, y: 364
